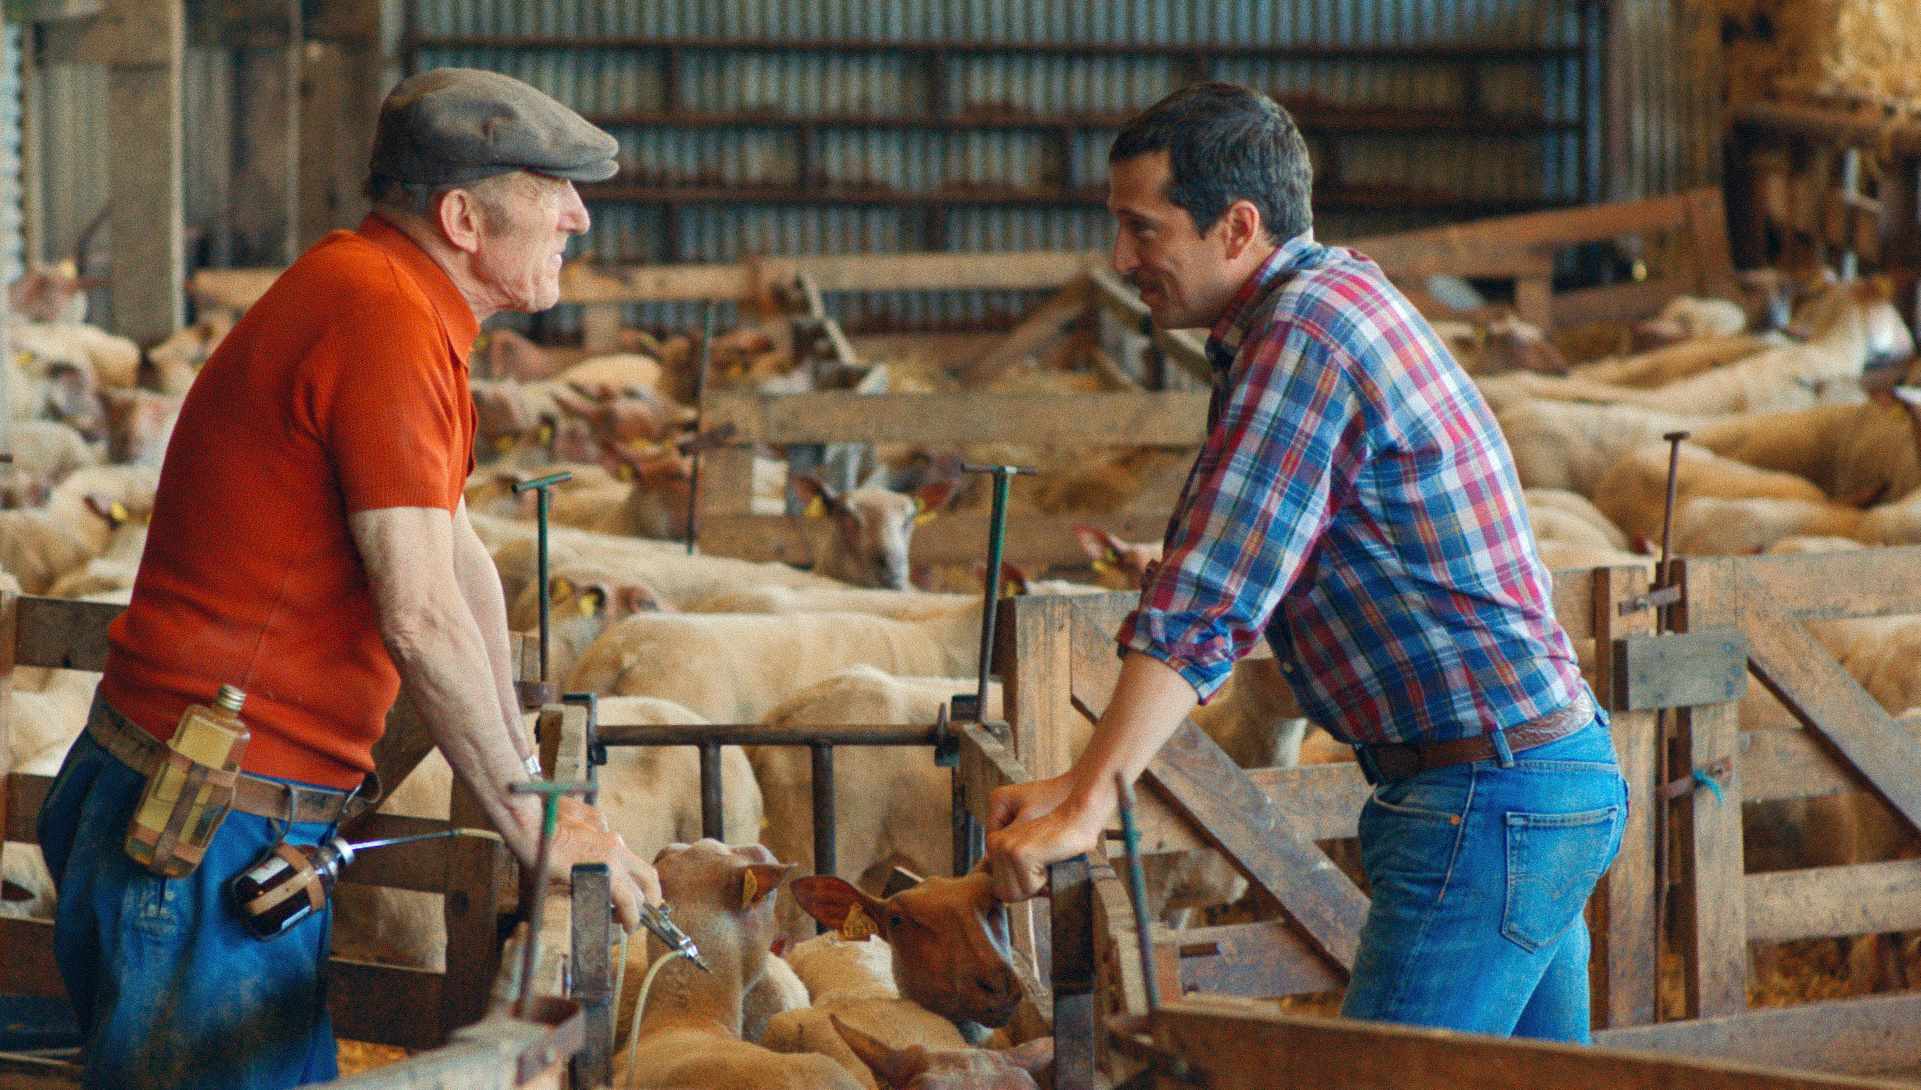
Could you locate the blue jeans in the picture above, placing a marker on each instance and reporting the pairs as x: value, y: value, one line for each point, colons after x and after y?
x: 168, y: 987
x: 1479, y: 874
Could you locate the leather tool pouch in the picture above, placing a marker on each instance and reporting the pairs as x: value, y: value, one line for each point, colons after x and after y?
x: 179, y: 811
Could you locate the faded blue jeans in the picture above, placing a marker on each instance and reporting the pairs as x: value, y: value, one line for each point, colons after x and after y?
x: 170, y: 990
x: 1479, y: 874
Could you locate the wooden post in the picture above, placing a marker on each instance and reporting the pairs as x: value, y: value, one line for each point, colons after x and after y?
x: 1625, y: 974
x: 1075, y: 1027
x: 470, y: 911
x: 9, y: 627
x: 1034, y: 659
x: 142, y: 42
x: 1710, y: 916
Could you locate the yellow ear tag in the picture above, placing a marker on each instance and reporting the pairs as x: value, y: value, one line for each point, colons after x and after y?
x: 924, y: 515
x: 856, y: 927
x: 560, y: 587
x: 588, y: 604
x: 816, y: 508
x: 481, y: 342
x: 623, y: 472
x: 749, y: 890
x: 545, y: 435
x: 1103, y: 567
x: 118, y: 512
x: 503, y: 444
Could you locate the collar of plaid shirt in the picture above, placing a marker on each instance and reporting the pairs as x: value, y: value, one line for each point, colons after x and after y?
x: 1224, y: 339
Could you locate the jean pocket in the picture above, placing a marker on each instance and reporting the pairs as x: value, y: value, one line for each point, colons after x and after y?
x: 1553, y: 862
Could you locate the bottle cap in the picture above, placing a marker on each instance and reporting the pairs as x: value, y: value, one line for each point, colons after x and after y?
x: 230, y: 698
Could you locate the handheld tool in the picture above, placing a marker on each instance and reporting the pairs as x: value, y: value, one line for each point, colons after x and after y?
x: 660, y: 922
x: 541, y: 488
x: 550, y: 793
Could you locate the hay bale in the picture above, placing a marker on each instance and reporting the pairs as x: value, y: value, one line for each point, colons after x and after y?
x: 1856, y: 49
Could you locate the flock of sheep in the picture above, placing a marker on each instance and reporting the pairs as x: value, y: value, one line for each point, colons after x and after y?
x: 1803, y: 438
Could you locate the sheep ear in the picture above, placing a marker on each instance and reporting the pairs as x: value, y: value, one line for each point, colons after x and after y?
x: 930, y: 498
x: 592, y: 601
x: 1093, y: 542
x: 758, y: 881
x: 1013, y: 580
x: 894, y: 1067
x: 836, y: 903
x: 814, y: 492
x: 637, y: 599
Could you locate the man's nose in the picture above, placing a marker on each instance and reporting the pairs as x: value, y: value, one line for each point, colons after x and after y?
x: 573, y: 213
x: 1122, y: 257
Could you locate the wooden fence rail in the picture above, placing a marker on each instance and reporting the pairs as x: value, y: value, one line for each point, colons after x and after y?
x: 1057, y: 658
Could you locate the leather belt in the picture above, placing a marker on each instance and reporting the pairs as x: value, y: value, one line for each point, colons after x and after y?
x: 266, y: 798
x: 1399, y: 760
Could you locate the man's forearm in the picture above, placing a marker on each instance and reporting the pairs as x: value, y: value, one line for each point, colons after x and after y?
x: 1150, y: 702
x: 480, y: 589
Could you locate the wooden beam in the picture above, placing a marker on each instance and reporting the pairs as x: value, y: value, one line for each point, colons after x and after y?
x: 24, y: 792
x: 384, y: 1004
x: 1265, y: 959
x: 144, y: 181
x: 1865, y: 583
x: 9, y: 618
x: 28, y: 968
x: 1143, y: 419
x: 1864, y: 1035
x: 1183, y: 346
x: 1034, y: 660
x: 63, y: 633
x: 1707, y: 826
x: 1626, y: 948
x: 1559, y: 227
x: 1237, y: 1045
x: 949, y: 539
x: 1826, y: 902
x: 1828, y: 701
x: 1041, y: 326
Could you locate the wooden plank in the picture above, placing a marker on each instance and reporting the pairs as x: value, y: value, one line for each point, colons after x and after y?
x: 985, y: 764
x: 1864, y: 583
x: 144, y: 178
x: 1870, y: 1034
x: 1072, y: 897
x: 401, y: 747
x: 1708, y: 227
x: 1041, y: 326
x: 1416, y: 256
x: 1558, y: 227
x: 9, y: 618
x: 1827, y: 700
x: 384, y: 1004
x: 470, y: 911
x: 1825, y: 902
x: 63, y: 633
x: 1145, y: 418
x: 28, y: 968
x: 1534, y: 301
x: 122, y: 34
x: 23, y: 793
x: 949, y: 539
x: 1264, y: 959
x: 1707, y: 827
x: 1184, y: 346
x: 1614, y: 302
x: 1625, y: 957
x: 1574, y: 602
x: 1237, y: 1045
x: 1034, y: 661
x: 1679, y: 669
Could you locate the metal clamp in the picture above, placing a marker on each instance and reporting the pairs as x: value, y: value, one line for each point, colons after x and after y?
x: 1711, y: 776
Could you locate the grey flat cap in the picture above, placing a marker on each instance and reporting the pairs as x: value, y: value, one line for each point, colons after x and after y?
x: 456, y: 125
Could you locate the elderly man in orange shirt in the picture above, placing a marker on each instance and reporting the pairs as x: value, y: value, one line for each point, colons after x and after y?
x: 310, y: 546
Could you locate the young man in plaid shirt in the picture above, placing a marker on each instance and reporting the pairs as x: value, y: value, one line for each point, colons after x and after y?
x: 1356, y: 505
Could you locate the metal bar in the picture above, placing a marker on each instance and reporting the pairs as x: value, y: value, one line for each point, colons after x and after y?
x: 826, y: 860
x: 963, y: 826
x: 546, y: 592
x: 1074, y: 972
x: 996, y: 549
x: 593, y: 1065
x: 712, y: 823
x: 1137, y: 892
x: 761, y: 734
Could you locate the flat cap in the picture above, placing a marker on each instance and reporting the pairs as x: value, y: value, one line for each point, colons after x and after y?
x: 451, y: 126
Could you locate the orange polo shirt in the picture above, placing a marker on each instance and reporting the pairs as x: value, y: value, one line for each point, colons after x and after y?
x: 344, y: 389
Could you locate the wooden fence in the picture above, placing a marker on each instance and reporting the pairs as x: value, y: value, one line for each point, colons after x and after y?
x: 1735, y: 616
x: 475, y: 877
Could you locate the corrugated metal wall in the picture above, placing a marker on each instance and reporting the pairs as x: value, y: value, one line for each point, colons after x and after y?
x: 13, y: 246
x: 1004, y: 59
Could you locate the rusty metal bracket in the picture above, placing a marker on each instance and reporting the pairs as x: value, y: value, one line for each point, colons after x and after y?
x: 1655, y: 598
x: 1680, y: 670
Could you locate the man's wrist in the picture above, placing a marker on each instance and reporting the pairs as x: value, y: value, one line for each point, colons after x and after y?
x: 532, y: 765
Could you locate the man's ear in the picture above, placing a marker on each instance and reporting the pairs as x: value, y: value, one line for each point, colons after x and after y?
x: 1242, y: 227
x: 457, y: 214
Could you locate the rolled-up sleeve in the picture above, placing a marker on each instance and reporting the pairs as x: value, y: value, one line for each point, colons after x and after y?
x: 1288, y: 445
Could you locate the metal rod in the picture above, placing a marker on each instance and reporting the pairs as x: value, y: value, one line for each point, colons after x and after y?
x: 550, y: 793
x: 826, y: 859
x: 443, y: 834
x: 546, y: 592
x: 712, y: 805
x: 1664, y: 757
x: 962, y: 826
x: 761, y: 734
x: 996, y: 547
x: 1137, y: 892
x: 700, y: 393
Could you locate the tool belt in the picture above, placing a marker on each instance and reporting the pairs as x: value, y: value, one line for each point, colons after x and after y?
x: 266, y: 798
x: 1399, y: 760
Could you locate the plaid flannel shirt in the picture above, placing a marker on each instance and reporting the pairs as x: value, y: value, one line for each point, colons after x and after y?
x: 1356, y: 502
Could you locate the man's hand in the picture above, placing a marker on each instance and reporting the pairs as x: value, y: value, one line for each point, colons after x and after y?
x: 1025, y: 801
x: 581, y: 836
x: 1018, y: 855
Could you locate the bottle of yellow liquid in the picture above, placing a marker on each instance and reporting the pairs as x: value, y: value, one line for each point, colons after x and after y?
x: 214, y: 737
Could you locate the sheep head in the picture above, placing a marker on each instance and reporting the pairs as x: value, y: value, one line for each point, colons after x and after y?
x: 723, y: 897
x: 873, y: 528
x: 949, y: 935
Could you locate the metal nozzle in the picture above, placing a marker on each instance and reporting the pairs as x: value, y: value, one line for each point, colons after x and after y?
x: 660, y: 922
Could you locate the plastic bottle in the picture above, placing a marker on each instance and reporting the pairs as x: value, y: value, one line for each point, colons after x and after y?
x: 214, y: 736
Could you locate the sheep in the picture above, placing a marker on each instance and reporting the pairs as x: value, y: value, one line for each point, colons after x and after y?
x: 1717, y: 525
x: 892, y: 804
x: 1118, y: 565
x: 735, y: 668
x: 868, y: 530
x: 944, y: 943
x: 1561, y: 445
x: 1634, y: 492
x: 45, y: 452
x: 38, y: 549
x: 1671, y: 363
x: 897, y: 604
x: 690, y: 1033
x: 1559, y: 515
x: 920, y: 1068
x: 114, y: 360
x: 676, y: 579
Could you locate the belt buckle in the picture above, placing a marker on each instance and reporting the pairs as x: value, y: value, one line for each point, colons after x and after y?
x: 1396, y: 760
